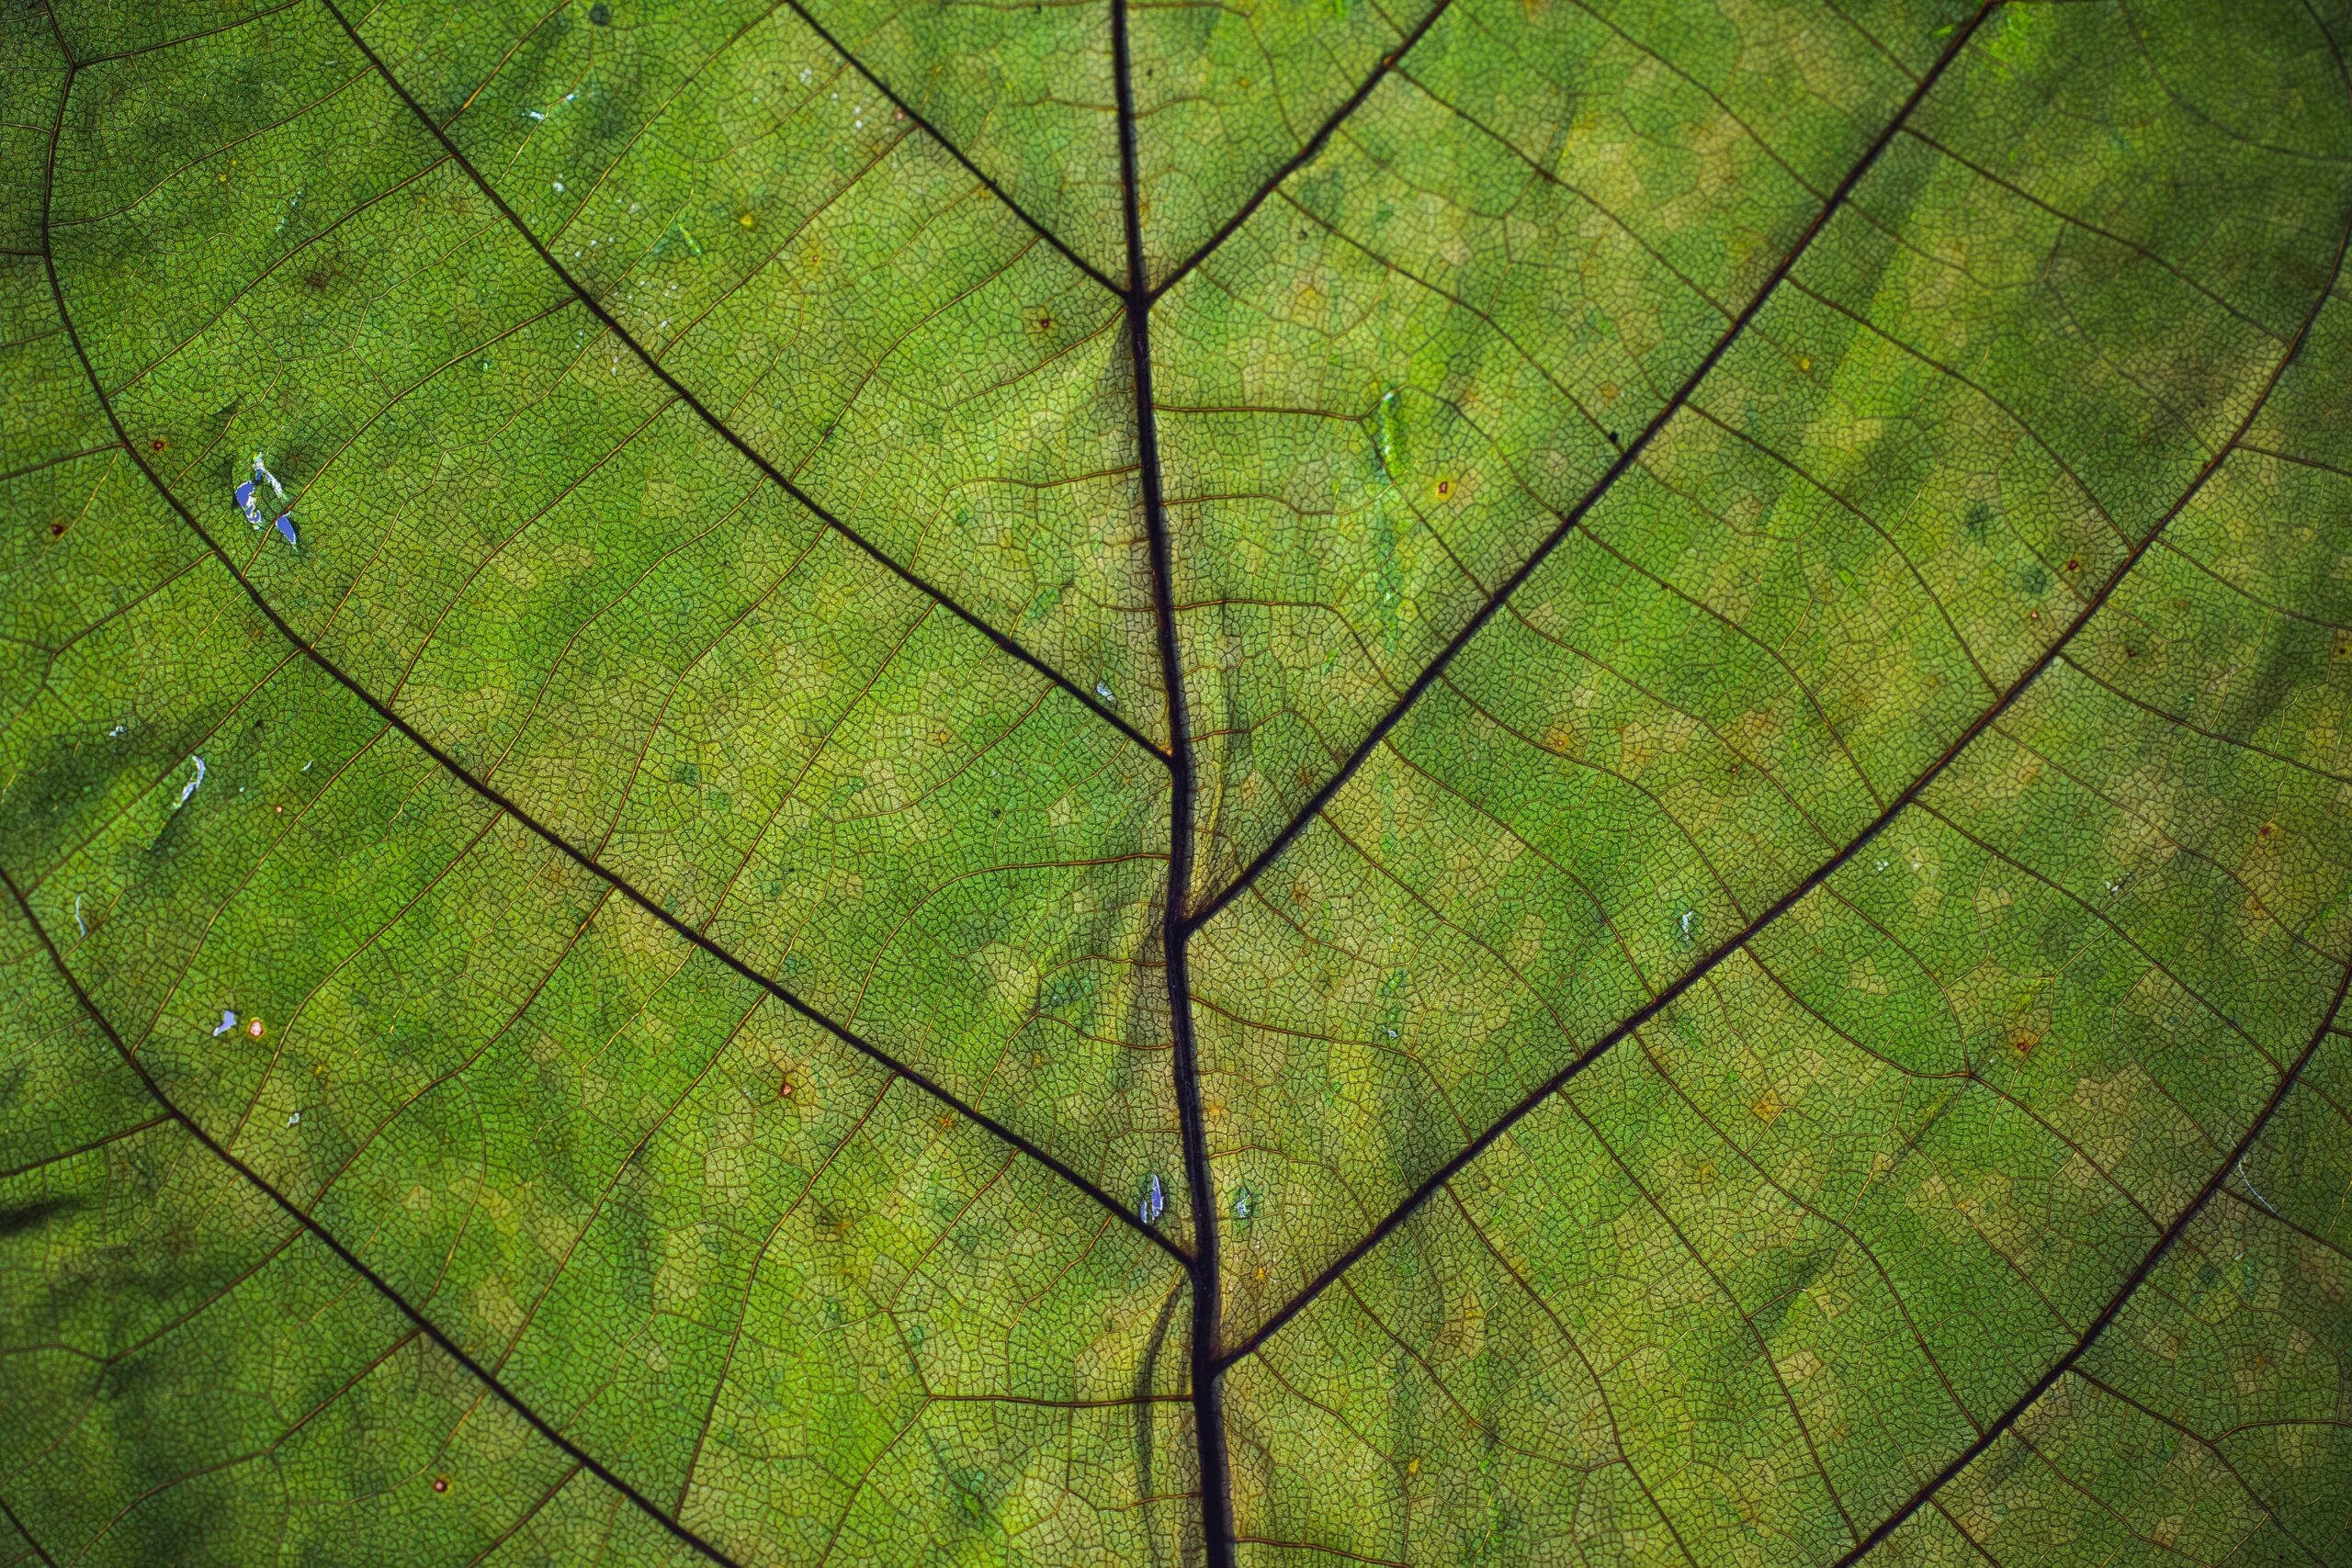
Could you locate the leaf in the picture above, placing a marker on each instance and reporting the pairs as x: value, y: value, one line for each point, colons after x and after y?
x: 1517, y: 782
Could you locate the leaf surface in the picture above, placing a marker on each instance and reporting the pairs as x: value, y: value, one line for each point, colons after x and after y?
x: 1502, y: 783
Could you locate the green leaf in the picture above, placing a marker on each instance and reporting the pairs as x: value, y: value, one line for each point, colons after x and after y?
x: 1517, y: 781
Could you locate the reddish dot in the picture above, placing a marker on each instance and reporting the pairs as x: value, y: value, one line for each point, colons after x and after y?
x: 2074, y: 566
x: 156, y: 444
x: 440, y: 1483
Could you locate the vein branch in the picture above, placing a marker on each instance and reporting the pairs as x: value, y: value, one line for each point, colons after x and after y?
x: 874, y: 80
x: 2115, y: 1304
x: 1600, y: 486
x: 1005, y: 642
x: 1305, y: 155
x: 326, y: 1239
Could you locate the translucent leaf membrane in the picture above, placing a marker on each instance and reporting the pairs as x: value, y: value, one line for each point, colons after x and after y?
x: 1868, y: 531
x: 822, y: 280
x: 1760, y: 594
x: 1381, y: 395
x: 528, y: 550
x: 2007, y: 1094
x: 2207, y: 1423
x: 195, y: 1379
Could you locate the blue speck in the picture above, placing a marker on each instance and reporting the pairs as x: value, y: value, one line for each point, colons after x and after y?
x: 286, y: 526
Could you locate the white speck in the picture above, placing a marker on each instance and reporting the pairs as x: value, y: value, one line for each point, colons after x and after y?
x: 262, y: 470
x: 569, y: 96
x: 77, y: 914
x: 558, y: 185
x: 190, y: 789
x: 1686, y: 922
x: 306, y: 767
x: 294, y: 1119
x: 1102, y: 689
x: 1882, y: 865
x: 2115, y: 887
x: 535, y: 114
x: 116, y: 733
x: 228, y: 1022
x: 804, y: 73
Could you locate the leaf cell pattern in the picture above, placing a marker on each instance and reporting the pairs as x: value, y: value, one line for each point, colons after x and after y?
x: 1505, y: 781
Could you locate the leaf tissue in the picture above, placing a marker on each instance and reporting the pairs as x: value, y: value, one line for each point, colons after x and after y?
x: 1291, y: 782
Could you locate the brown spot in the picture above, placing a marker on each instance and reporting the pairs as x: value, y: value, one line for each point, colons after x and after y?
x: 157, y: 444
x: 947, y: 1124
x: 2073, y: 565
x: 784, y: 1088
x: 55, y: 529
x: 1445, y: 487
x: 2267, y: 828
x: 440, y: 1483
x: 2033, y: 615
